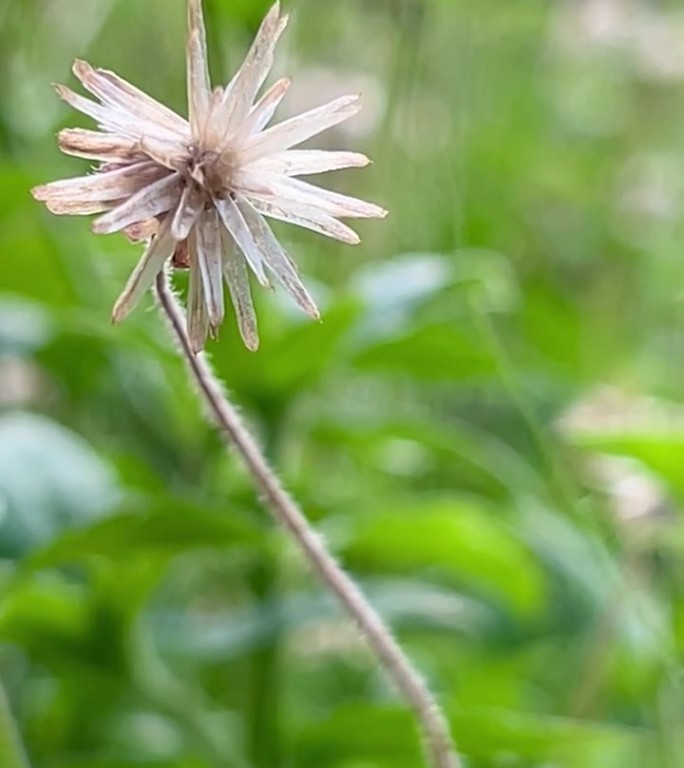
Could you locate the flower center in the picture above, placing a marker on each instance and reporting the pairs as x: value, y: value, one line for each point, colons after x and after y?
x: 213, y: 171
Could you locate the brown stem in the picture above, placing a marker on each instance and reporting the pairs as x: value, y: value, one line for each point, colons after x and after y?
x: 439, y: 745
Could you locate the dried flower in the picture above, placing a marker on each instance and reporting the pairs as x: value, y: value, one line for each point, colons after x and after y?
x: 199, y: 191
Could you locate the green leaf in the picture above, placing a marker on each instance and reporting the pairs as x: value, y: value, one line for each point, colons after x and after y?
x: 394, y: 291
x: 454, y: 536
x: 419, y: 318
x: 388, y: 737
x: 166, y: 527
x: 24, y: 326
x: 294, y: 354
x: 658, y: 450
x: 102, y: 762
x: 434, y: 352
x: 402, y: 602
x: 48, y: 618
x: 50, y: 479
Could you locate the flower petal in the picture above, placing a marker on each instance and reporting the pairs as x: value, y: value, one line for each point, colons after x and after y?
x: 240, y: 93
x: 198, y: 318
x: 117, y: 93
x: 237, y: 279
x: 66, y: 207
x: 213, y: 126
x: 171, y: 154
x: 187, y: 212
x: 209, y: 259
x: 158, y: 197
x: 93, y: 145
x: 108, y: 118
x: 115, y: 120
x: 302, y: 162
x: 334, y: 203
x: 306, y: 216
x: 199, y: 88
x: 150, y: 265
x: 103, y: 186
x: 236, y: 225
x: 277, y: 259
x: 262, y: 112
x: 297, y: 129
x: 141, y: 231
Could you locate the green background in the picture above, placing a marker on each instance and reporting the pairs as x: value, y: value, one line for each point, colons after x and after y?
x: 487, y: 427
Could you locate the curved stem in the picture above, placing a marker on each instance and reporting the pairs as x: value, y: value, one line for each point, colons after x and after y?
x: 438, y: 743
x: 12, y: 754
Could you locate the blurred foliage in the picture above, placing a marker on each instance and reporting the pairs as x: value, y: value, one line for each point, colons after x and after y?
x: 487, y: 426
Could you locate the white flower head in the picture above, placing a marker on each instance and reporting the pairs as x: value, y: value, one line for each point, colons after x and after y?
x: 198, y: 190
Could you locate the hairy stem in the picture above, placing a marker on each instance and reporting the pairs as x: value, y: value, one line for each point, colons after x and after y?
x: 439, y: 746
x: 12, y: 754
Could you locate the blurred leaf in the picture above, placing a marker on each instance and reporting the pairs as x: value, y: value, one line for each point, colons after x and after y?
x: 453, y: 536
x: 392, y: 290
x: 435, y: 352
x: 395, y: 290
x: 294, y: 354
x: 659, y: 450
x: 146, y: 762
x: 166, y: 527
x: 51, y: 620
x: 389, y: 736
x: 403, y: 603
x: 572, y: 553
x: 50, y: 479
x: 400, y: 335
x: 33, y: 266
x: 453, y: 453
x: 24, y: 326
